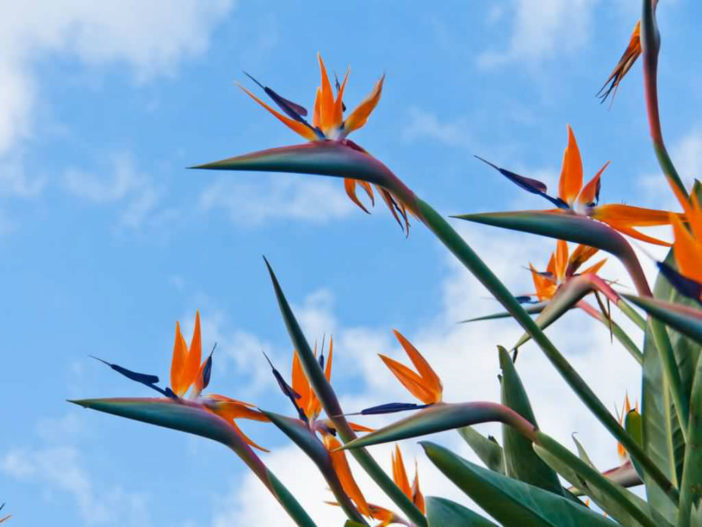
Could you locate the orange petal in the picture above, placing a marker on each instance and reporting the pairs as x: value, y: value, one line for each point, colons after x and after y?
x: 594, y: 269
x: 360, y: 115
x: 327, y: 98
x: 180, y: 351
x: 688, y: 252
x: 551, y: 267
x: 360, y: 428
x: 317, y: 115
x: 339, y: 103
x: 383, y: 515
x: 417, y: 496
x: 295, y: 126
x: 394, y: 206
x: 192, y: 361
x: 631, y: 216
x: 428, y: 375
x: 545, y: 288
x: 399, y: 474
x: 409, y: 379
x: 624, y: 229
x: 571, y: 180
x: 694, y: 217
x: 350, y: 186
x: 300, y: 383
x: 233, y: 409
x: 561, y: 259
x: 328, y: 365
x: 581, y: 254
x: 246, y: 438
x: 588, y: 196
x: 343, y: 471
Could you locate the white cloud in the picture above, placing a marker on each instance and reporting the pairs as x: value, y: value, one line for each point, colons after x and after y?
x: 424, y: 124
x: 150, y: 37
x: 57, y: 470
x: 465, y: 357
x: 278, y: 198
x: 686, y: 154
x: 120, y: 183
x: 542, y: 30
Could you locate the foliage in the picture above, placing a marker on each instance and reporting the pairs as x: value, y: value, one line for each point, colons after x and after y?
x: 528, y: 478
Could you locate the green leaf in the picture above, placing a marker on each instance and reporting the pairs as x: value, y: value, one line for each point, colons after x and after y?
x: 327, y: 158
x: 521, y: 462
x: 486, y: 448
x: 444, y: 416
x: 572, y: 227
x: 446, y: 513
x: 529, y: 308
x: 662, y: 438
x: 633, y: 424
x: 685, y: 319
x: 511, y: 502
x: 691, y: 488
x: 192, y: 418
x: 622, y: 505
x: 308, y: 442
x: 325, y: 393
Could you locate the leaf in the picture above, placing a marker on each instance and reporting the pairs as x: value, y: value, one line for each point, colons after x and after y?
x: 685, y: 319
x: 571, y: 227
x: 633, y: 424
x: 691, y: 487
x: 325, y: 393
x: 486, y: 448
x: 314, y: 449
x: 511, y: 502
x: 566, y: 298
x: 446, y: 513
x: 521, y: 462
x: 444, y: 416
x: 616, y: 501
x: 662, y: 439
x: 327, y: 158
x: 537, y: 307
x: 192, y: 418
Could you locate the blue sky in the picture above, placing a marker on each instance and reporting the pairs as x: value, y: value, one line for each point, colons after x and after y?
x: 107, y: 239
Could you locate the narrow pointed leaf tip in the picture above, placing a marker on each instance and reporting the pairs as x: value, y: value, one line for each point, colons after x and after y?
x: 328, y: 158
x: 179, y: 415
x: 685, y: 319
x: 445, y: 416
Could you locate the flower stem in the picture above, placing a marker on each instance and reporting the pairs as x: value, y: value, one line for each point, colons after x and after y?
x: 650, y: 45
x: 451, y: 239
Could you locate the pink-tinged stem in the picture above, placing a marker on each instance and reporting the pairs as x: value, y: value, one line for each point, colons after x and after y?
x: 650, y: 46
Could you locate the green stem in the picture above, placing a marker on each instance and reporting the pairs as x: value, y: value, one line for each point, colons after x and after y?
x: 617, y: 331
x: 450, y: 238
x: 670, y: 369
x: 631, y: 314
x: 325, y: 393
x: 650, y: 44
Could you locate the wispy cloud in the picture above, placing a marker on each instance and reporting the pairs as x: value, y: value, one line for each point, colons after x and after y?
x: 540, y: 30
x: 120, y: 183
x: 425, y: 124
x: 464, y: 356
x: 58, y: 467
x: 277, y: 198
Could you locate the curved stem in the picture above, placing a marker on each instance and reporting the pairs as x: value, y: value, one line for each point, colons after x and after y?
x: 617, y: 331
x: 631, y: 314
x: 650, y: 45
x: 451, y: 239
x: 330, y: 403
